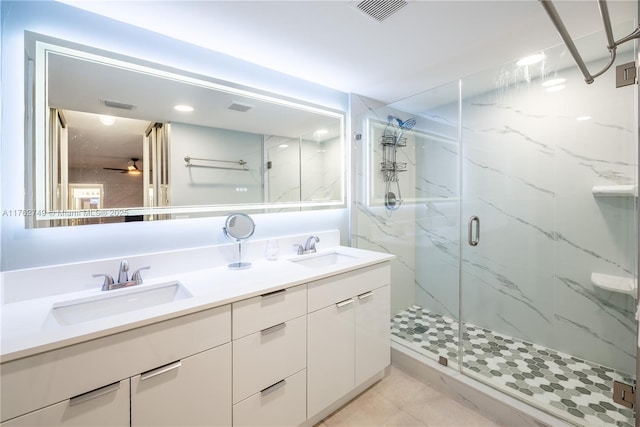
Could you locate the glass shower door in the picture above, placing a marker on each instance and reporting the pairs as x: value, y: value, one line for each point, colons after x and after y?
x: 548, y: 235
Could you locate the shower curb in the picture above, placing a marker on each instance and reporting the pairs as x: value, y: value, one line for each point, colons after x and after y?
x: 498, y: 406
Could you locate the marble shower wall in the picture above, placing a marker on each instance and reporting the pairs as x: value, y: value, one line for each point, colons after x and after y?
x: 303, y: 169
x: 528, y: 171
x: 374, y: 226
x: 282, y: 179
x: 438, y: 211
x: 320, y: 172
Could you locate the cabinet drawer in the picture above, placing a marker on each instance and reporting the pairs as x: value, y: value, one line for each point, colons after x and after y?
x: 282, y: 404
x: 106, y: 406
x: 255, y: 314
x: 323, y: 293
x: 266, y: 357
x: 35, y: 382
x: 195, y: 391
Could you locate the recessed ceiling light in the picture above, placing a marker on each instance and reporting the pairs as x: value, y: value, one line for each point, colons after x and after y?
x: 322, y: 132
x: 555, y: 88
x: 183, y: 108
x: 553, y: 82
x: 530, y: 60
x: 107, y: 120
x: 283, y: 146
x: 583, y: 118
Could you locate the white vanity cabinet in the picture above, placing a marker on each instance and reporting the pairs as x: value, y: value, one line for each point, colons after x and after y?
x: 348, y: 333
x: 105, y: 406
x: 283, y: 358
x: 194, y: 391
x: 270, y: 358
x: 37, y: 388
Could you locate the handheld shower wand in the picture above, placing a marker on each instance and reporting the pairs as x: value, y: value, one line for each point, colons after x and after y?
x: 391, y: 167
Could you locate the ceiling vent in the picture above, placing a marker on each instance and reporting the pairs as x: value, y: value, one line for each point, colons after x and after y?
x: 243, y: 108
x: 380, y: 9
x: 116, y: 104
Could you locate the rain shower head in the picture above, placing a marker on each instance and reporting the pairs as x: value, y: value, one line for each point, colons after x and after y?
x: 407, y: 124
x: 403, y: 125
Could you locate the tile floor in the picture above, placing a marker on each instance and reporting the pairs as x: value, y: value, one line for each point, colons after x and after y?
x: 574, y: 389
x: 401, y: 400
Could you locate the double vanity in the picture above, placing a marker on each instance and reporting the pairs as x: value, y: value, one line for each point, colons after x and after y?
x: 285, y: 342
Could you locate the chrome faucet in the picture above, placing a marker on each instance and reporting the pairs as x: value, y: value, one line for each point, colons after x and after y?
x: 123, y: 277
x: 310, y: 246
x: 123, y: 274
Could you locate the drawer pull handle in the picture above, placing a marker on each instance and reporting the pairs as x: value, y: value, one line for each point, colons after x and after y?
x: 345, y: 302
x: 365, y: 295
x: 94, y: 393
x: 159, y: 371
x: 274, y: 293
x: 273, y: 387
x: 274, y: 328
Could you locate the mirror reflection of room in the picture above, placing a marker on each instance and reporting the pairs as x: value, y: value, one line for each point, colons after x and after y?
x: 193, y: 148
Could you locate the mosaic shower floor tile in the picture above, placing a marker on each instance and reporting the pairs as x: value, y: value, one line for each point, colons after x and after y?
x: 574, y: 389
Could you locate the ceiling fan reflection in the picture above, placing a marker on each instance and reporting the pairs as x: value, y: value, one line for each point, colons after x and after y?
x: 132, y: 168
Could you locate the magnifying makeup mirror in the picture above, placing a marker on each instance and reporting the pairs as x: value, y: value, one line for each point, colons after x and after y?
x: 239, y: 227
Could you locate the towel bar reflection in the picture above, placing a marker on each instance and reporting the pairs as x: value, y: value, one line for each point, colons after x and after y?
x: 242, y: 165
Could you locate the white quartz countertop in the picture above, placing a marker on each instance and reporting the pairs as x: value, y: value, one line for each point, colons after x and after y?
x: 28, y: 327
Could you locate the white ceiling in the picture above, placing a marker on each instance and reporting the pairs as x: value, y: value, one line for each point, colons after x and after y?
x: 425, y: 44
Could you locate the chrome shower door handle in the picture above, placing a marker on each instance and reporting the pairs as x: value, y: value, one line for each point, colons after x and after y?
x: 474, y: 240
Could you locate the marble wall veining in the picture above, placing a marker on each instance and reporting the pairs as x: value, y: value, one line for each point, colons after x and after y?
x: 528, y: 167
x: 373, y: 226
x: 528, y: 170
x: 320, y: 170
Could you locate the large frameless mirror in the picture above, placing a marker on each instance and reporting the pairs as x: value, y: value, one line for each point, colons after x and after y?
x: 115, y: 139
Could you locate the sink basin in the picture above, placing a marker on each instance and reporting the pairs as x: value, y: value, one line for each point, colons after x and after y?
x: 322, y: 259
x: 116, y: 302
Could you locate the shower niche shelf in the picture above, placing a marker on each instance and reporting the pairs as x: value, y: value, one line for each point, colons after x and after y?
x: 629, y: 190
x: 618, y: 284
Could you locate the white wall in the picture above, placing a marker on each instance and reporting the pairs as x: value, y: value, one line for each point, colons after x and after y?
x: 21, y: 247
x: 206, y: 185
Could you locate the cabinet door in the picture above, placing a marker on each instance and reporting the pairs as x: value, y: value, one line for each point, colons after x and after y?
x: 193, y: 391
x: 330, y: 355
x: 106, y: 406
x: 373, y: 336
